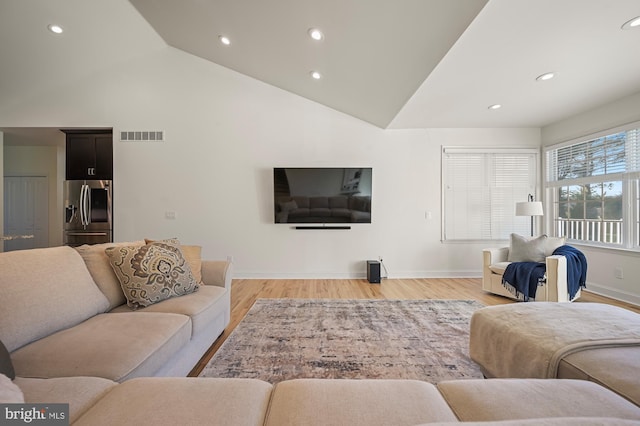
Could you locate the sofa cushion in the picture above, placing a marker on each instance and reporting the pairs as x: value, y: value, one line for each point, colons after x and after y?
x: 98, y: 265
x: 202, y: 306
x: 509, y: 399
x: 79, y: 392
x: 43, y: 291
x: 113, y: 346
x: 10, y: 393
x: 182, y: 401
x: 596, y: 365
x: 152, y: 272
x: 6, y: 366
x: 524, y: 249
x: 356, y: 402
x: 499, y: 268
x: 550, y: 421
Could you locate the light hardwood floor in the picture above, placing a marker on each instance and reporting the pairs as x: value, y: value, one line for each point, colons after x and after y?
x: 244, y: 292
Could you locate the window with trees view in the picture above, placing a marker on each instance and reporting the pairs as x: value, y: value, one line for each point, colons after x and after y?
x: 593, y: 185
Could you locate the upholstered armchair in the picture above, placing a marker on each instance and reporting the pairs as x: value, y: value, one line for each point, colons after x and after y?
x: 555, y: 286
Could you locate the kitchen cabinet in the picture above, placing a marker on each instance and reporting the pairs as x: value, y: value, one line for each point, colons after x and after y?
x: 89, y: 155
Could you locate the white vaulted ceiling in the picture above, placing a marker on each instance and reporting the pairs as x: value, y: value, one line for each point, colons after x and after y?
x: 393, y: 63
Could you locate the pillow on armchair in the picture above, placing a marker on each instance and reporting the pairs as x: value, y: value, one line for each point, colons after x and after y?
x: 524, y: 249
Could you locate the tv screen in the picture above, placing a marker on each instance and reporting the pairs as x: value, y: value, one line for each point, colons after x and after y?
x: 322, y: 195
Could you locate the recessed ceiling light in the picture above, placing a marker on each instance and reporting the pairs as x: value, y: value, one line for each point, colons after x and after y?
x: 316, y: 34
x: 56, y: 29
x: 546, y: 76
x: 224, y: 40
x: 316, y: 75
x: 633, y: 23
x: 495, y: 106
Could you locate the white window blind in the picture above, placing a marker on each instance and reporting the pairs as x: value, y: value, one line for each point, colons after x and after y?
x: 609, y: 155
x: 481, y: 188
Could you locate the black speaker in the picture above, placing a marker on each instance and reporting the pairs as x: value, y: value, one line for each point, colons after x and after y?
x: 373, y: 271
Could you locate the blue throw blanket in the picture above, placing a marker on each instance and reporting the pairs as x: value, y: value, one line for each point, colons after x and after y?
x: 523, y: 278
x: 576, y: 268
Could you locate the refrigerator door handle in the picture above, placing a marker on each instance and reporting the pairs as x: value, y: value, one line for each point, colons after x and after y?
x: 87, y: 208
x: 81, y: 205
x: 84, y: 213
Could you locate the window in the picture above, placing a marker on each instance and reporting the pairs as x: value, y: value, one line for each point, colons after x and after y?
x: 480, y: 190
x: 593, y: 186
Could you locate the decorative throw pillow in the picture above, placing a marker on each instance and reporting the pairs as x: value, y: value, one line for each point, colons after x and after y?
x: 523, y: 249
x: 10, y: 393
x: 6, y: 366
x: 151, y: 273
x: 193, y: 254
x: 553, y: 243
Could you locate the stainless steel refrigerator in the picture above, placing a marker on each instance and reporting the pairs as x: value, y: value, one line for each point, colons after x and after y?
x: 88, y: 212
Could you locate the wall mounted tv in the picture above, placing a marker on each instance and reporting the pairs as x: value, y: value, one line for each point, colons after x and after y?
x: 325, y: 195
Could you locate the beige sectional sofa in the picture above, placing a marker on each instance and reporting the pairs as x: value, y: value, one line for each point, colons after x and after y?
x: 63, y: 314
x: 309, y: 402
x: 73, y: 340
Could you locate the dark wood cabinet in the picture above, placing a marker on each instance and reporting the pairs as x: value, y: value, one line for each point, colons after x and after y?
x: 89, y: 155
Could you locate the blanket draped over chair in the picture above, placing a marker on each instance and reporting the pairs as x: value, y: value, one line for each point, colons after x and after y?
x: 523, y: 278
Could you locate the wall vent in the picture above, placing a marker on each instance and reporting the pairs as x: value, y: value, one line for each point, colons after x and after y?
x: 142, y: 136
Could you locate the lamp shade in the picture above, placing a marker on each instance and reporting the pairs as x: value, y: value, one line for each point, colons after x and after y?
x: 529, y: 208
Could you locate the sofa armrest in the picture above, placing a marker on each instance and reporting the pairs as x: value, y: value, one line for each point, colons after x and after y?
x: 217, y: 272
x: 495, y: 255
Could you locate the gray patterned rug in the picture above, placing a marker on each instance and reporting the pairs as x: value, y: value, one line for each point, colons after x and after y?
x: 282, y: 339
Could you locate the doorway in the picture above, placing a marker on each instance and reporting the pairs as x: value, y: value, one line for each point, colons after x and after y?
x: 26, y: 211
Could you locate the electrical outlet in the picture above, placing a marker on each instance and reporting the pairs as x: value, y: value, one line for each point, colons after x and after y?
x: 619, y: 273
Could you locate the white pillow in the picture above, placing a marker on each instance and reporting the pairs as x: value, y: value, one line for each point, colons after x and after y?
x: 553, y: 243
x: 10, y: 393
x: 524, y: 249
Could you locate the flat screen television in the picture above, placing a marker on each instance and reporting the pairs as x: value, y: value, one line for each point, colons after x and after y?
x: 323, y: 195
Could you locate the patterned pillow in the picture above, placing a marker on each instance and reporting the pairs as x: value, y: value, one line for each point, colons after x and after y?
x: 193, y: 255
x: 151, y: 273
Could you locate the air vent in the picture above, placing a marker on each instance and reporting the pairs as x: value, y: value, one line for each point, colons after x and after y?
x: 142, y: 136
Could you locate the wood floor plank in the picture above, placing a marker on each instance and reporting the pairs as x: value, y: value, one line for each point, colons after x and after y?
x: 244, y: 293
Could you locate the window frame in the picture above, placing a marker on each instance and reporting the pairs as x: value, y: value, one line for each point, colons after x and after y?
x: 630, y: 184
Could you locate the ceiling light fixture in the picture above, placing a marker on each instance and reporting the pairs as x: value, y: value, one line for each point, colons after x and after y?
x: 56, y: 29
x: 224, y: 40
x: 316, y: 75
x: 632, y: 23
x: 495, y: 106
x: 546, y: 76
x: 316, y: 34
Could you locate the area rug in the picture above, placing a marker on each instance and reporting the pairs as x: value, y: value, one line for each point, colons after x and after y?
x: 282, y: 339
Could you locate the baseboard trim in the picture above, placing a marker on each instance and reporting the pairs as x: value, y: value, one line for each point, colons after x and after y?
x: 613, y: 293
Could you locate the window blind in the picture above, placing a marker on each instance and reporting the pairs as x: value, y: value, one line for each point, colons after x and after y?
x: 610, y: 155
x: 481, y: 189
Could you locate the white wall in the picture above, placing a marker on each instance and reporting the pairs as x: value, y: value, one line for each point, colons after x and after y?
x: 602, y: 262
x: 224, y: 134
